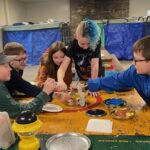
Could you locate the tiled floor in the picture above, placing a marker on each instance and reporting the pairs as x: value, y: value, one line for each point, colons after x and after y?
x: 31, y: 71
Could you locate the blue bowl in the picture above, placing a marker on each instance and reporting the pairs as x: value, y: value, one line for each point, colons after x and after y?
x: 115, y: 102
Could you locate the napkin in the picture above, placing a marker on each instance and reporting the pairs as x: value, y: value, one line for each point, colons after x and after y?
x: 99, y: 125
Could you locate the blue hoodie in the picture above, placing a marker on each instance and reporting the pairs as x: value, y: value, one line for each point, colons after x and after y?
x: 123, y: 81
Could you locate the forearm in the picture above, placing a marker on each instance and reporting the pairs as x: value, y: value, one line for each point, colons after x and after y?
x: 14, y: 108
x: 62, y: 69
x: 60, y: 74
x: 37, y: 103
x: 94, y: 73
x: 29, y: 89
x: 111, y: 83
x: 94, y: 68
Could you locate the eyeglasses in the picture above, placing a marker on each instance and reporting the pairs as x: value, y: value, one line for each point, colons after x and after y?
x: 140, y: 60
x: 21, y: 59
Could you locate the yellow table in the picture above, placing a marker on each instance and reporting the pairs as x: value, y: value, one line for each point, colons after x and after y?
x: 77, y: 121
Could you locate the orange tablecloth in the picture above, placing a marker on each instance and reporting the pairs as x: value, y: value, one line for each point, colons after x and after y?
x: 77, y: 121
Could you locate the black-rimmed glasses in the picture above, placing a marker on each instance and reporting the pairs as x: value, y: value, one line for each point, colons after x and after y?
x: 140, y: 60
x: 21, y: 59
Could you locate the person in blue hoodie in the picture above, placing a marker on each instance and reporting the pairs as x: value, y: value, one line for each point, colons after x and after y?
x: 136, y: 76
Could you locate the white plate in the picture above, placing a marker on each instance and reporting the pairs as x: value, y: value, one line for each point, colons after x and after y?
x: 52, y: 108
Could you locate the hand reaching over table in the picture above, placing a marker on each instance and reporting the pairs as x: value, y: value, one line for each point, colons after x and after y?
x: 49, y: 86
x: 93, y: 94
x: 63, y: 96
x: 74, y: 85
x: 61, y: 86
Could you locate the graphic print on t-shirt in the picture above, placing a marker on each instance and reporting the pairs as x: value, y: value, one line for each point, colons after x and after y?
x: 83, y: 65
x: 82, y: 58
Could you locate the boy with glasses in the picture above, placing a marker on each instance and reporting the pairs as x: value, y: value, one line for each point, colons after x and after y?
x: 8, y: 104
x: 137, y: 76
x: 17, y: 83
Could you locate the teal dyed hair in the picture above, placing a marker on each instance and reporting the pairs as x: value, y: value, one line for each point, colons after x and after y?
x: 92, y: 31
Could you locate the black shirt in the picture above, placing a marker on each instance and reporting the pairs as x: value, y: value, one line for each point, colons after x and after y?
x: 17, y: 83
x: 82, y: 58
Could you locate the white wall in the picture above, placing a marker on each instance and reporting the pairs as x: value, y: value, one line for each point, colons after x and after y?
x: 12, y: 11
x: 1, y: 41
x: 3, y: 20
x: 16, y: 11
x: 41, y: 11
x: 138, y: 7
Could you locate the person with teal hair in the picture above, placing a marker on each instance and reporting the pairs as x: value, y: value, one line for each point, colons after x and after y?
x: 92, y: 32
x: 84, y: 50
